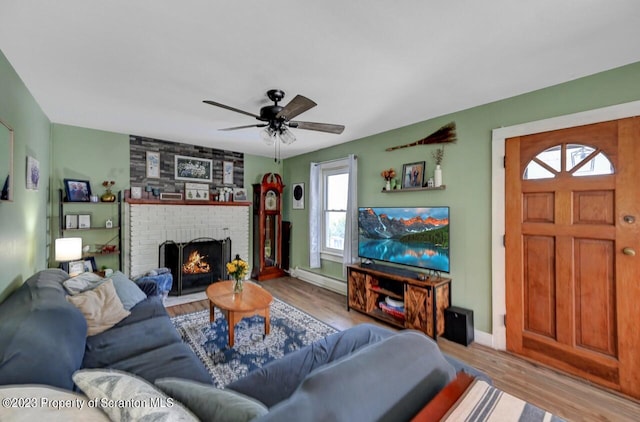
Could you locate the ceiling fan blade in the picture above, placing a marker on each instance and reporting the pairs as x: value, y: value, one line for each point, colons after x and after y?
x: 213, y: 103
x: 244, y: 127
x: 297, y: 106
x: 321, y: 127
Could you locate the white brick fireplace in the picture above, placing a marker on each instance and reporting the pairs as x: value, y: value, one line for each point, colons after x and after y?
x: 149, y: 225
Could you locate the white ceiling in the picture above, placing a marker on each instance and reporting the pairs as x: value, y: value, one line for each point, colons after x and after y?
x: 143, y: 67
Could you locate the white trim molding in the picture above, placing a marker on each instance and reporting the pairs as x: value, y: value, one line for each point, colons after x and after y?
x: 499, y: 138
x: 328, y: 283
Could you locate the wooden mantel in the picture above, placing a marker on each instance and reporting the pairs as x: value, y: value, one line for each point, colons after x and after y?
x: 157, y: 201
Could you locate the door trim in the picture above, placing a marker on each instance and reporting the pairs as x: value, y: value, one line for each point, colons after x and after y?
x: 499, y: 137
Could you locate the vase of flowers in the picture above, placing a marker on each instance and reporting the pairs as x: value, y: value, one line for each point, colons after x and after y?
x: 388, y: 175
x: 237, y: 269
x: 108, y: 196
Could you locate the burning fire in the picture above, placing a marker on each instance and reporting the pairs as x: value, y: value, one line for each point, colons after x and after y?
x: 195, y: 264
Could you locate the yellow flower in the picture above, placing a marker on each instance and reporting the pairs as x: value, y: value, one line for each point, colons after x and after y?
x: 237, y: 268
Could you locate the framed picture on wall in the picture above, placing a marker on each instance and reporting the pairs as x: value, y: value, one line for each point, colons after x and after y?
x: 227, y: 172
x: 193, y: 169
x: 153, y: 165
x: 412, y: 175
x: 77, y: 190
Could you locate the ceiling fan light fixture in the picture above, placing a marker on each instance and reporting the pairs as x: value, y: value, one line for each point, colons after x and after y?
x: 287, y: 137
x: 268, y: 136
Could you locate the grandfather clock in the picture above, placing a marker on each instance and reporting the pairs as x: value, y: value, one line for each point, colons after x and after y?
x: 267, y: 228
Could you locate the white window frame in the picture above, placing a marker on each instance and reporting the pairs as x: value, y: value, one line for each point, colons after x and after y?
x: 330, y: 169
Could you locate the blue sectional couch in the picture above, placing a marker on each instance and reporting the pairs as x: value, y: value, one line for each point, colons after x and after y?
x: 364, y: 373
x: 43, y: 338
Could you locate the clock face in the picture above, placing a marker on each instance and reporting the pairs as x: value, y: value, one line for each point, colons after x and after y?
x: 270, y: 201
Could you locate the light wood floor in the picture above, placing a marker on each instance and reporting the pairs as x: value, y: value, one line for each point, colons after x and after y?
x: 563, y: 395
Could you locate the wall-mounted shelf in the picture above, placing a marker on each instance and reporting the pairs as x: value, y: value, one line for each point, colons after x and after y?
x: 65, y: 207
x: 443, y: 187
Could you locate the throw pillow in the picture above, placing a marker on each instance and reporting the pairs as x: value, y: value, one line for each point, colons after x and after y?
x: 82, y: 283
x: 210, y: 403
x: 42, y: 403
x: 128, y: 292
x: 133, y: 398
x: 101, y: 307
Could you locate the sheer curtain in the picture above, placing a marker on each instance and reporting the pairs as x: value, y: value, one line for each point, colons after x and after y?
x: 315, y: 214
x: 350, y: 253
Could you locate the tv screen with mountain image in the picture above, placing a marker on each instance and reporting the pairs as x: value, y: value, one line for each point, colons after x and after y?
x: 418, y: 237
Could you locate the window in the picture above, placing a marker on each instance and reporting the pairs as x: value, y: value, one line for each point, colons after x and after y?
x: 334, y: 188
x: 579, y: 160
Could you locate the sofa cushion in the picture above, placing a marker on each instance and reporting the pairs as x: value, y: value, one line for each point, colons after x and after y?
x: 101, y: 307
x: 278, y: 379
x: 123, y: 342
x: 130, y: 390
x: 174, y: 360
x: 128, y: 292
x: 42, y: 336
x: 82, y: 282
x: 151, y: 307
x: 387, y: 381
x: 210, y: 403
x: 44, y: 403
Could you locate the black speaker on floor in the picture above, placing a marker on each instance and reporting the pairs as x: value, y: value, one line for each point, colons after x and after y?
x: 286, y: 245
x: 458, y: 325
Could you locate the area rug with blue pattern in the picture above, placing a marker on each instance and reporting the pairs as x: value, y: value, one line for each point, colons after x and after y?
x: 291, y: 329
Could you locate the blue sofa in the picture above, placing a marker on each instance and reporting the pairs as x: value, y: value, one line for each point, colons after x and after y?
x: 43, y: 338
x: 364, y: 373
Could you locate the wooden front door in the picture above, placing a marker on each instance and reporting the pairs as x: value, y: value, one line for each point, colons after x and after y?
x: 572, y: 245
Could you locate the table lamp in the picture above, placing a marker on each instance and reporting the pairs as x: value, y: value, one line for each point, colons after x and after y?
x: 68, y: 249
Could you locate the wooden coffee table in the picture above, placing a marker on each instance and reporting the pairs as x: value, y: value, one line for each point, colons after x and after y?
x: 254, y: 300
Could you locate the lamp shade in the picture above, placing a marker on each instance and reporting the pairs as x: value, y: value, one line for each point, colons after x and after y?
x: 68, y: 249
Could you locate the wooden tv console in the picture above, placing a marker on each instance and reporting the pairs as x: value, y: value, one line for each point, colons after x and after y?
x: 424, y: 300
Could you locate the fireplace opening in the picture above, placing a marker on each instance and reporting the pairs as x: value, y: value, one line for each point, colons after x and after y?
x: 195, y: 264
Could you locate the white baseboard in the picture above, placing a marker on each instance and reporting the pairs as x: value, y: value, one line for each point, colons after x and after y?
x: 320, y: 280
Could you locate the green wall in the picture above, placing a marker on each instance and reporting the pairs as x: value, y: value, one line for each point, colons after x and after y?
x: 23, y: 222
x: 466, y: 173
x: 93, y: 155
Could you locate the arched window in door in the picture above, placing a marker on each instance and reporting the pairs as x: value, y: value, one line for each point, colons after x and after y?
x: 574, y: 159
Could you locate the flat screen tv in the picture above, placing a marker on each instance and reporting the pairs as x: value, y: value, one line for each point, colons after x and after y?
x: 418, y: 237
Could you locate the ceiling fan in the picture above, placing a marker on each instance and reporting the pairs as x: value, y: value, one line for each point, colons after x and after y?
x: 277, y: 119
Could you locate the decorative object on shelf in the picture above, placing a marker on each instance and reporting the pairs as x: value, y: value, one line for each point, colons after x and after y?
x: 388, y: 175
x: 446, y: 133
x: 196, y: 191
x: 153, y: 164
x: 136, y: 192
x: 437, y: 176
x: 430, y: 182
x: 156, y: 192
x: 413, y: 175
x: 77, y: 190
x: 225, y: 194
x: 109, y: 224
x: 33, y: 173
x: 171, y: 196
x: 193, y: 169
x: 94, y: 198
x: 237, y: 269
x: 71, y: 221
x: 108, y: 196
x: 84, y: 221
x: 438, y: 155
x: 239, y: 194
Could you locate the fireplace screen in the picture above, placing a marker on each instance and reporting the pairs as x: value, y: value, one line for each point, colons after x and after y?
x: 195, y: 264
